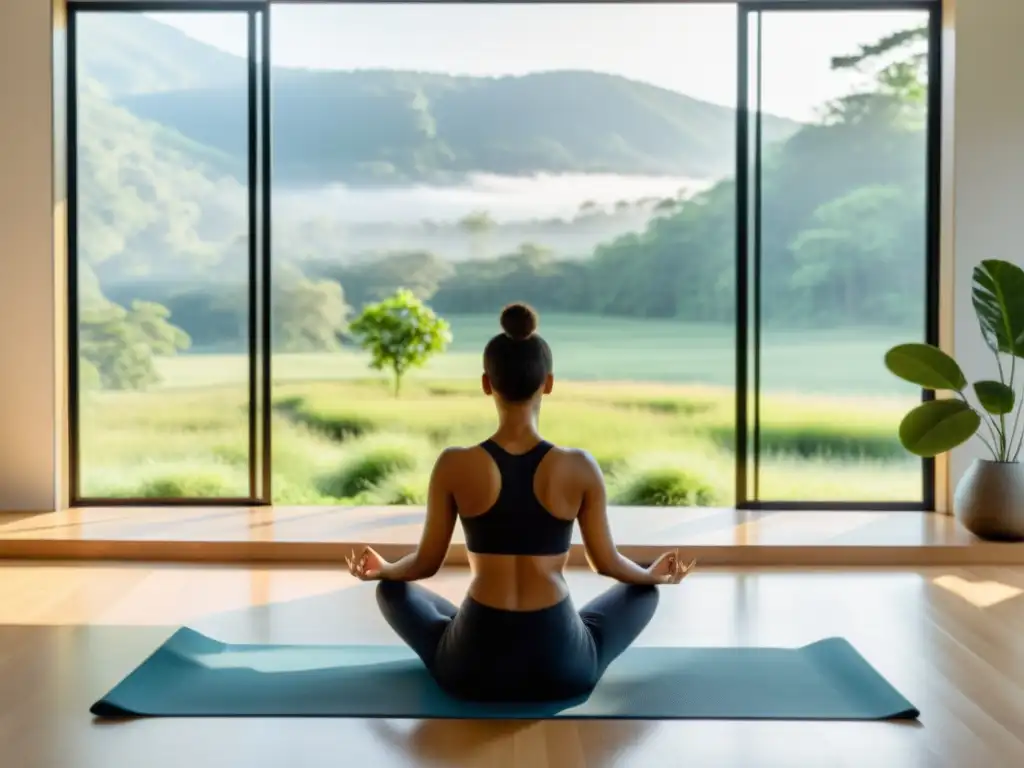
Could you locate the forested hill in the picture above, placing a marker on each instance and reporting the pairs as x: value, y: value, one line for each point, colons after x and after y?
x: 130, y: 53
x: 393, y: 127
x: 162, y: 213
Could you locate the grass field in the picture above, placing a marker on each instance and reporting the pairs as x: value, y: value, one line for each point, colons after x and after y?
x: 653, y: 401
x: 587, y: 348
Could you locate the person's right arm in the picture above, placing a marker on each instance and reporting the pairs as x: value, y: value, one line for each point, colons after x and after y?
x: 602, y: 554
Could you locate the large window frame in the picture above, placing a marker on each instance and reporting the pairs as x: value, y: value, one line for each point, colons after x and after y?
x: 258, y: 240
x: 747, y: 320
x: 748, y: 240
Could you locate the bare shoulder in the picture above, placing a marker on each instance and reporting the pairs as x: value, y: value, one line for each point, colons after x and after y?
x: 454, y: 452
x: 456, y: 458
x: 579, y: 461
x: 453, y: 455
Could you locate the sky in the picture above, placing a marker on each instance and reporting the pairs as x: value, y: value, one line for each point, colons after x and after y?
x: 688, y: 48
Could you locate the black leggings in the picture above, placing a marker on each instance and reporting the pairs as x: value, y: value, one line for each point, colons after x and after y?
x: 486, y: 654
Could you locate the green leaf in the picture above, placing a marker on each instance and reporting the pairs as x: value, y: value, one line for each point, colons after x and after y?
x: 995, y: 397
x: 998, y: 298
x: 938, y: 426
x: 926, y: 366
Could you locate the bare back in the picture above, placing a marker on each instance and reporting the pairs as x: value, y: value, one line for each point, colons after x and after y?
x: 518, y: 582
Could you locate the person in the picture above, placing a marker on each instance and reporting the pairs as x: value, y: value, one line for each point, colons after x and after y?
x: 517, y: 635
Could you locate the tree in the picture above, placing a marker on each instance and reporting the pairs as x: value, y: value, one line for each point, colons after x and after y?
x: 898, y: 65
x: 117, y: 345
x: 308, y: 315
x: 903, y: 56
x: 373, y: 279
x: 851, y: 242
x: 666, y: 205
x: 400, y: 333
x: 478, y: 226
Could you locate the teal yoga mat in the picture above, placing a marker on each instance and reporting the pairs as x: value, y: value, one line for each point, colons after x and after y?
x: 194, y: 676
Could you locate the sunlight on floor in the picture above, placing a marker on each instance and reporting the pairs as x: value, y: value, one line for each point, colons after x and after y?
x: 982, y: 594
x: 797, y: 527
x: 116, y: 595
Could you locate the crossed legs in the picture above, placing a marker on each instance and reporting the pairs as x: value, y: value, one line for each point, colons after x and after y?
x: 613, y: 619
x: 616, y: 617
x: 419, y: 616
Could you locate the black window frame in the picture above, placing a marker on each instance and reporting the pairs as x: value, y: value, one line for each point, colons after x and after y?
x: 747, y: 325
x: 257, y: 14
x: 748, y: 248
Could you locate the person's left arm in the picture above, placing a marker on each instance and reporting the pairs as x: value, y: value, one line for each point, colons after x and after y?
x: 428, y: 557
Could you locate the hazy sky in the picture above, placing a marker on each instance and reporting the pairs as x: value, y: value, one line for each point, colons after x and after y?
x: 688, y: 48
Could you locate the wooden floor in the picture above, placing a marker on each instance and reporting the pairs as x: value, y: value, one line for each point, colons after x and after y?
x: 324, y: 534
x: 950, y: 639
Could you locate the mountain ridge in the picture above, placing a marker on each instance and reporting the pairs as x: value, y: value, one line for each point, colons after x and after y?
x: 378, y: 127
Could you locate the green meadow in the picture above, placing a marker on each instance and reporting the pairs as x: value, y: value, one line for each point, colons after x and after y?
x: 651, y: 400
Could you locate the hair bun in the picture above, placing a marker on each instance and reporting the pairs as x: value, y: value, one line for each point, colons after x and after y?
x: 519, y: 321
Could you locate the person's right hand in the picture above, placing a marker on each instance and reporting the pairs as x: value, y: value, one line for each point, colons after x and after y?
x: 669, y: 569
x: 368, y: 566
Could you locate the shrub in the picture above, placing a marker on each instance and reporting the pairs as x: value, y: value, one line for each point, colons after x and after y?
x: 190, y: 485
x: 666, y: 487
x: 365, y: 468
x: 824, y: 441
x: 404, y: 488
x: 232, y: 453
x: 336, y: 425
x: 671, y: 407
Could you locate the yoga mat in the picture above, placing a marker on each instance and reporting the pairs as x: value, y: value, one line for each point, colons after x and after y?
x: 194, y: 676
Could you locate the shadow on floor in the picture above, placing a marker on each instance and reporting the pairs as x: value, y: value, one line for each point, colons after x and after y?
x: 596, y: 743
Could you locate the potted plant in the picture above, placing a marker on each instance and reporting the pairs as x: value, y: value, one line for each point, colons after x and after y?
x: 989, y: 499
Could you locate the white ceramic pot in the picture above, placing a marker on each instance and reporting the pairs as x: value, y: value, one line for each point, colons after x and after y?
x: 989, y: 500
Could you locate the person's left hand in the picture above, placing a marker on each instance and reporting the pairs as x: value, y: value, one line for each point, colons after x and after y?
x: 368, y: 566
x: 669, y: 569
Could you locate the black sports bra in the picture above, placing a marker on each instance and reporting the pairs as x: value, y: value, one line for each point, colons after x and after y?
x: 517, y: 523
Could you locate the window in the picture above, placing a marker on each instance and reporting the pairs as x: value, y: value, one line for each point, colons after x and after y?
x: 550, y: 157
x: 163, y: 236
x: 588, y: 159
x: 839, y: 250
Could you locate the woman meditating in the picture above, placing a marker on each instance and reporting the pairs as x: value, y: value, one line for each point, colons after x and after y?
x: 517, y: 636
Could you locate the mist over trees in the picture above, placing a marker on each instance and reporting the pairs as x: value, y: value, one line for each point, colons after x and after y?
x: 163, y: 228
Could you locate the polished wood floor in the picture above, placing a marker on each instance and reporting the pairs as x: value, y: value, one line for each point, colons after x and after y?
x: 951, y: 639
x: 308, y: 534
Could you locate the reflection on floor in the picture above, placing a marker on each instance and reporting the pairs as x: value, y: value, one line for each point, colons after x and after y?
x: 948, y: 638
x: 715, y: 536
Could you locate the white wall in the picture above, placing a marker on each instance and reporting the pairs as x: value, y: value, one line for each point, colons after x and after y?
x: 28, y: 360
x: 988, y: 221
x: 988, y: 167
